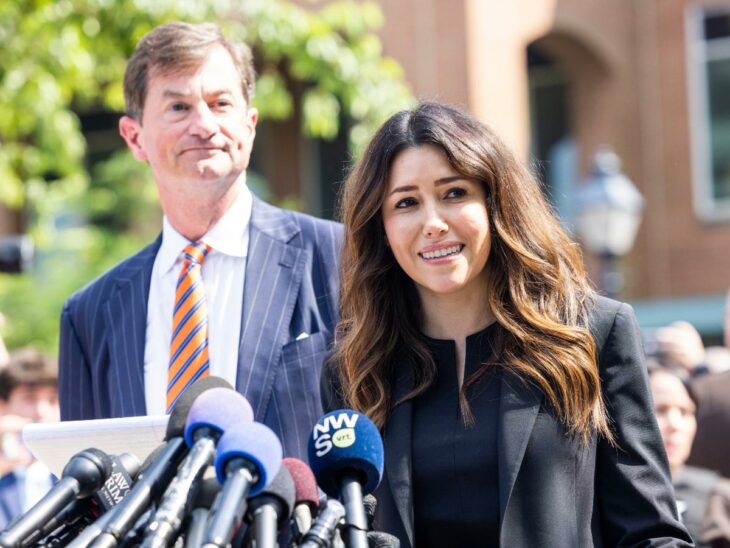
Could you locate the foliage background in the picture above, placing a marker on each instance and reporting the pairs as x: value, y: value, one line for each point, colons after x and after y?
x: 64, y: 58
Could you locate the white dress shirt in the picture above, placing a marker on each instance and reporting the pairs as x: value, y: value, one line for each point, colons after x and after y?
x: 223, y: 274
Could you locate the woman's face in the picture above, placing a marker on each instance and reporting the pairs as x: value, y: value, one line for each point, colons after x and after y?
x: 675, y: 413
x: 436, y: 223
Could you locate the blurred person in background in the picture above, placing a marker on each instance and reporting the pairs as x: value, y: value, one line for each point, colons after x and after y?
x: 4, y: 357
x: 28, y: 393
x: 679, y: 346
x: 702, y: 495
x: 711, y: 448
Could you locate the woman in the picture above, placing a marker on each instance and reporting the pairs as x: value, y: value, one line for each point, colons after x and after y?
x: 513, y: 402
x: 703, y: 496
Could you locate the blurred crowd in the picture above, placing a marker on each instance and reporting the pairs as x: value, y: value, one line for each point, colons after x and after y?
x: 28, y: 394
x: 690, y: 386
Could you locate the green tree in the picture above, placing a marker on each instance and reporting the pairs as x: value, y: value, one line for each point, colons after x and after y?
x: 61, y: 58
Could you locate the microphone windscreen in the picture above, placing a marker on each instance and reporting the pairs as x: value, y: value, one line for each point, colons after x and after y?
x: 281, y: 488
x: 370, y: 503
x: 378, y: 539
x: 305, y: 486
x: 218, y: 409
x: 90, y: 468
x: 207, y: 491
x: 345, y: 440
x: 258, y: 445
x: 179, y: 413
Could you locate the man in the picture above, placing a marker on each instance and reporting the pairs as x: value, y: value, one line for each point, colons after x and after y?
x: 28, y: 393
x: 261, y: 309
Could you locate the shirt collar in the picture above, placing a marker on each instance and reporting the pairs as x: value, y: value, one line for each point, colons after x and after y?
x: 228, y: 236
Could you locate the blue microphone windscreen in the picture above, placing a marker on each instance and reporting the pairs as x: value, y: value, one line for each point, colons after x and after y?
x: 257, y: 444
x: 219, y: 409
x: 345, y: 440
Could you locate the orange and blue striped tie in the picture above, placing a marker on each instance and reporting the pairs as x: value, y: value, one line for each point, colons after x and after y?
x: 189, y: 343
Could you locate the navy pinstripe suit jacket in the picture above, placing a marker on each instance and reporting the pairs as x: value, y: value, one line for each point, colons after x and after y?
x: 290, y: 288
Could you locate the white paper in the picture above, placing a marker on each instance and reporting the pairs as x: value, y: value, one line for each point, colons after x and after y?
x: 55, y: 443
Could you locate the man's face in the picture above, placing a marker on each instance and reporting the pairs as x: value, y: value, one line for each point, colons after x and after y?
x: 196, y: 131
x: 35, y: 403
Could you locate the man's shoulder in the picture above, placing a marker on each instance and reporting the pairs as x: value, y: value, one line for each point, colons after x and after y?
x: 103, y: 284
x: 308, y: 229
x: 311, y: 225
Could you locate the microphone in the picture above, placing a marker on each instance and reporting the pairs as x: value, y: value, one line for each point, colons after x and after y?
x: 323, y: 529
x: 212, y: 413
x: 66, y: 524
x: 346, y: 454
x: 198, y: 519
x: 84, y: 474
x: 377, y: 539
x: 113, y: 525
x: 271, y: 509
x: 306, y: 498
x: 247, y: 460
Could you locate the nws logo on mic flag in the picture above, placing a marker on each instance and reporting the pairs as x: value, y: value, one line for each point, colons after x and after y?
x: 337, y: 428
x: 343, y: 442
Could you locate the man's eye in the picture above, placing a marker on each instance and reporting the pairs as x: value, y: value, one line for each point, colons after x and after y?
x: 178, y: 107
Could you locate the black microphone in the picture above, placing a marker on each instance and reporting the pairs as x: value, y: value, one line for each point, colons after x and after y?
x: 247, y: 460
x: 323, y: 528
x: 346, y: 455
x: 194, y: 530
x: 378, y: 539
x: 68, y: 523
x: 270, y: 509
x: 84, y: 474
x: 306, y: 498
x: 154, y: 477
x: 212, y: 413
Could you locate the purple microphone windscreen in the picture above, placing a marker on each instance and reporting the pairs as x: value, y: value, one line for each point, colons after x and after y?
x: 179, y: 414
x: 258, y: 445
x: 218, y: 409
x: 345, y: 440
x: 305, y: 485
x: 281, y: 488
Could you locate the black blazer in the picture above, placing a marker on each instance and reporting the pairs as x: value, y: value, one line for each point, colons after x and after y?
x: 555, y: 491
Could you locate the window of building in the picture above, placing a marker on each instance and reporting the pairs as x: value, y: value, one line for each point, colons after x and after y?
x: 709, y: 42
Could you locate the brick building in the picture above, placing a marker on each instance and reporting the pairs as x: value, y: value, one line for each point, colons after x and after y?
x: 559, y: 78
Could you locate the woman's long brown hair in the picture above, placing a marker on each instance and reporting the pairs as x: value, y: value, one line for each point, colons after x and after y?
x: 537, y: 286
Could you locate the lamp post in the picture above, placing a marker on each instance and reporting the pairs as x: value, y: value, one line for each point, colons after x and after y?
x: 608, y: 214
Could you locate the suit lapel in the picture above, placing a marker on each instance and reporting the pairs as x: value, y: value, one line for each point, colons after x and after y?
x: 274, y: 270
x: 126, y: 311
x: 518, y: 408
x: 398, y: 449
